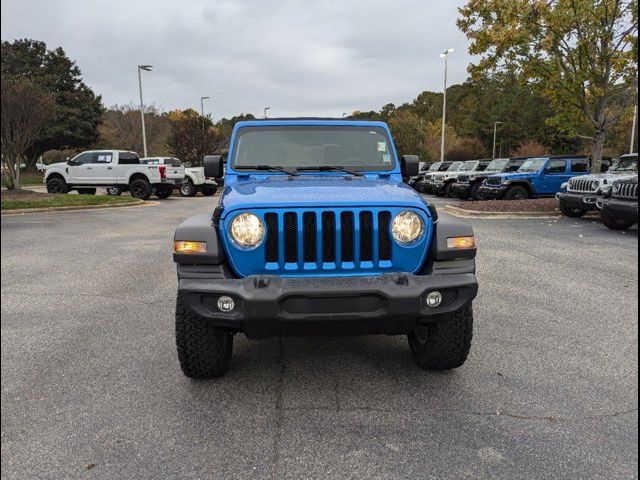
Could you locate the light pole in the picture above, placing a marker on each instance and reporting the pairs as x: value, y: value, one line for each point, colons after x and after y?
x: 495, y: 132
x: 444, y: 55
x: 344, y: 114
x: 633, y: 128
x: 146, y: 68
x: 202, y: 99
x: 265, y: 111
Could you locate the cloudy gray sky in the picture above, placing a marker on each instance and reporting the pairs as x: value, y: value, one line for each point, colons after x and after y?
x: 298, y: 57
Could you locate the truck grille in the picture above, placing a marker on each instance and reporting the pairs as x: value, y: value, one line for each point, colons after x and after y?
x: 625, y: 191
x: 583, y: 185
x: 345, y: 237
x: 495, y: 181
x: 438, y: 178
x: 463, y: 179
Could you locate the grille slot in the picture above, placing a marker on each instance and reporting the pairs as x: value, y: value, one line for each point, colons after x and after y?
x: 290, y: 237
x: 309, y: 235
x: 271, y: 250
x: 366, y: 236
x: 346, y: 233
x: 328, y: 237
x: 384, y: 237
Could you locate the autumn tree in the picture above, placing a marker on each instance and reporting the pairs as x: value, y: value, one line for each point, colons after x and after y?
x: 193, y: 136
x: 582, y: 54
x: 25, y: 111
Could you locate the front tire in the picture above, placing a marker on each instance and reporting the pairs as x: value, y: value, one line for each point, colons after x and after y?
x: 208, y: 191
x: 614, y: 223
x: 474, y: 192
x: 204, y: 351
x: 140, y: 189
x: 517, y: 193
x: 445, y: 344
x: 115, y: 191
x: 164, y: 192
x: 57, y: 185
x: 188, y: 189
x: 570, y: 212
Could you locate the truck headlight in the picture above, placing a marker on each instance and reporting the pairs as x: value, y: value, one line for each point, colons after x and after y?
x: 407, y: 227
x: 247, y: 230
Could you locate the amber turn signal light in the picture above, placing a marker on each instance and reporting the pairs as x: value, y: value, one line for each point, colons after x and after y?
x: 180, y: 246
x: 461, y: 242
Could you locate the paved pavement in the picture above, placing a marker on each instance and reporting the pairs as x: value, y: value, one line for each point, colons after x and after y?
x: 91, y: 386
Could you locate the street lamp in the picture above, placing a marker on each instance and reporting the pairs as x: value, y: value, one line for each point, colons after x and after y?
x: 444, y: 55
x: 633, y: 128
x: 265, y: 111
x: 146, y: 68
x: 202, y: 99
x: 495, y: 132
x: 344, y: 114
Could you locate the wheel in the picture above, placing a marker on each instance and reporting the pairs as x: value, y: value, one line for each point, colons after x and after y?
x: 57, y: 185
x: 204, y: 351
x: 614, y: 223
x: 445, y: 344
x: 448, y: 190
x: 188, y: 189
x: 116, y: 191
x: 419, y: 186
x: 164, y: 192
x: 140, y: 189
x: 87, y: 191
x: 517, y: 193
x: 208, y: 190
x: 474, y: 191
x: 567, y: 211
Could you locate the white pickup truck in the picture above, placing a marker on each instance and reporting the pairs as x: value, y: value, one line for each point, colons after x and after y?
x: 194, y: 178
x: 116, y: 170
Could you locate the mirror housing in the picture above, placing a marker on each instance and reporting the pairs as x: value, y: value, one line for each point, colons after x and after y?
x: 213, y: 166
x: 409, y: 165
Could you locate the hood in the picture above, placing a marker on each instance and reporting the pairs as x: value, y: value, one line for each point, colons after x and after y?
x: 609, y: 176
x: 312, y: 191
x: 56, y: 165
x: 514, y: 175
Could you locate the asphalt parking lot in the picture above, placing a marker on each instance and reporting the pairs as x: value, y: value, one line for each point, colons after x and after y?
x: 91, y: 386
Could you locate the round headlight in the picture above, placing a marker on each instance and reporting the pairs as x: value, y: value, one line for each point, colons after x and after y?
x: 407, y: 227
x: 247, y: 230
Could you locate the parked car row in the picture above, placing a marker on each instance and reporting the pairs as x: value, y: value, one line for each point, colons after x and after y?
x: 120, y: 171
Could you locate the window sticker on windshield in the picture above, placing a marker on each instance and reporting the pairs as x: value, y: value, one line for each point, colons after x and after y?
x: 382, y: 146
x: 386, y: 158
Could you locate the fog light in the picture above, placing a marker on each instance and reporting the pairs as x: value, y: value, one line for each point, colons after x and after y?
x: 226, y: 304
x: 434, y: 299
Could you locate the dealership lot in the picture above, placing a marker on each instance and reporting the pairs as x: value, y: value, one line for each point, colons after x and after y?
x: 91, y: 384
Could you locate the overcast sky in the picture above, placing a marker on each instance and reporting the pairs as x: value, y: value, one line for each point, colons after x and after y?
x: 319, y: 58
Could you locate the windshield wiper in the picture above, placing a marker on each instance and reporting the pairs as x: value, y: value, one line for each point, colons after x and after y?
x: 270, y: 168
x: 331, y: 168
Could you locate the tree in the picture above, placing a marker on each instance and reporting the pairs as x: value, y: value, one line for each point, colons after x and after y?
x: 121, y: 128
x: 582, y: 54
x: 25, y: 110
x: 193, y: 136
x: 77, y: 109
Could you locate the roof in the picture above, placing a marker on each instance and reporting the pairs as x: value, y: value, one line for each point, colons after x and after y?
x: 310, y: 121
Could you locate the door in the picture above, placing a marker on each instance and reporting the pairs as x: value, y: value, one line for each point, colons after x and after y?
x: 80, y: 169
x: 552, y: 177
x: 101, y: 168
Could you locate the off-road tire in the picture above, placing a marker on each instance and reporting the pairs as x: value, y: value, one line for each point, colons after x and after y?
x: 57, y: 185
x: 188, y: 189
x: 517, y: 193
x: 570, y: 212
x: 448, y: 190
x: 420, y: 187
x: 164, y: 192
x: 140, y: 189
x: 86, y: 191
x: 115, y: 191
x: 474, y: 191
x: 208, y: 191
x: 614, y: 223
x: 444, y: 344
x: 204, y: 351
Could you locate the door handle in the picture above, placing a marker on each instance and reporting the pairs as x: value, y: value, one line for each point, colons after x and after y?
x: 89, y: 168
x: 109, y: 168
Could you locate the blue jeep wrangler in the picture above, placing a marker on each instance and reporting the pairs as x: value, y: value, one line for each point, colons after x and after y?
x: 316, y: 234
x: 537, y: 177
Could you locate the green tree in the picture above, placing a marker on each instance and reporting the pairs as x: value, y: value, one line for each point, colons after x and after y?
x: 409, y: 134
x: 193, y: 136
x: 77, y: 109
x: 582, y: 54
x: 24, y: 112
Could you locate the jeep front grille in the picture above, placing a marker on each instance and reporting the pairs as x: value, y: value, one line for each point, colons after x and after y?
x: 626, y: 191
x: 344, y: 238
x: 583, y: 185
x: 495, y: 181
x: 463, y: 179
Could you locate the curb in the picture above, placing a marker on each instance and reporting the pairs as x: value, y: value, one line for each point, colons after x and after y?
x: 462, y: 213
x: 75, y: 208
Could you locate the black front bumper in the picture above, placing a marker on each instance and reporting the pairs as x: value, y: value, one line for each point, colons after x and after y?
x: 492, y: 193
x: 621, y: 209
x: 576, y: 200
x: 439, y: 188
x: 268, y: 306
x: 461, y: 190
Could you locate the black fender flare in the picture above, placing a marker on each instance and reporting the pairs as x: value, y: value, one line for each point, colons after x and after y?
x: 200, y: 228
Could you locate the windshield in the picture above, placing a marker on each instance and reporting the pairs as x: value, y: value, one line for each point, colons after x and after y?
x: 533, y: 165
x: 625, y: 164
x: 435, y: 167
x: 306, y: 147
x: 454, y: 167
x: 468, y: 166
x: 497, y: 165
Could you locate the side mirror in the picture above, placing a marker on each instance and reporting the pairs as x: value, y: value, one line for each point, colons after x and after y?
x: 409, y: 165
x: 213, y: 166
x: 71, y: 162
